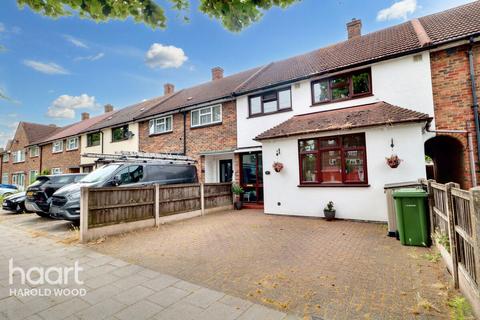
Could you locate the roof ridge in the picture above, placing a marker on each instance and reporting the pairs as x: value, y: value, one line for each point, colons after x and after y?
x: 254, y: 75
x: 167, y: 98
x: 422, y: 35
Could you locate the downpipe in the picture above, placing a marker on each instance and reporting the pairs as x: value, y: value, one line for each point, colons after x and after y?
x: 474, y: 95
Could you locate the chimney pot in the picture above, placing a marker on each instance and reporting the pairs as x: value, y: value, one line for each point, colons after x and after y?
x: 354, y: 28
x: 168, y: 88
x: 217, y: 73
x: 85, y: 116
x: 108, y: 108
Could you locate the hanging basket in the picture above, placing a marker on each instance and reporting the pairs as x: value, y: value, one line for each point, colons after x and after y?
x: 277, y: 166
x: 393, y: 161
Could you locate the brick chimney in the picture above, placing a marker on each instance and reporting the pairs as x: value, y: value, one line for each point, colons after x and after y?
x: 168, y: 88
x: 85, y: 116
x: 217, y: 73
x: 354, y: 28
x: 108, y: 108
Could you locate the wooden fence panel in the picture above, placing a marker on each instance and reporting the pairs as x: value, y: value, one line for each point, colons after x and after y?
x: 179, y: 198
x: 217, y: 195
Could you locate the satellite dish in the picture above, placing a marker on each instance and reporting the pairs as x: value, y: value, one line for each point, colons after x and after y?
x: 129, y: 134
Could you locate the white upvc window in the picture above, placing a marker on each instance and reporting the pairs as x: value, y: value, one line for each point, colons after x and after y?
x: 206, y: 116
x: 161, y: 125
x: 18, y: 156
x: 5, y: 178
x: 72, y: 143
x: 57, y: 146
x: 56, y: 171
x: 6, y: 157
x: 33, y: 175
x: 18, y: 179
x: 34, y: 151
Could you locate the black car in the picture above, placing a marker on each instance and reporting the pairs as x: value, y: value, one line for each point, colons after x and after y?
x: 14, y: 202
x: 66, y: 201
x: 39, y: 193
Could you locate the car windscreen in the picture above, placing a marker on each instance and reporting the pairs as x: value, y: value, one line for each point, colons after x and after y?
x: 100, y: 174
x: 39, y: 182
x: 62, y: 180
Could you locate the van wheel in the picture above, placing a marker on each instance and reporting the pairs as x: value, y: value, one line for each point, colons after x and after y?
x: 43, y: 214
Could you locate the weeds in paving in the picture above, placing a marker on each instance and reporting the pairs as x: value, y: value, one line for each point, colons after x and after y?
x: 460, y: 309
x: 432, y: 257
x: 423, y: 305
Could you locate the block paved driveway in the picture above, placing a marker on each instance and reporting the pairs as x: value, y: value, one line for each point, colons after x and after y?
x: 333, y: 270
x: 115, y: 289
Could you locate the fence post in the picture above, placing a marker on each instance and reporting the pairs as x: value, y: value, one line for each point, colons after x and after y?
x: 451, y: 230
x: 430, y: 201
x: 475, y: 215
x: 157, y: 205
x: 83, y: 213
x: 202, y: 198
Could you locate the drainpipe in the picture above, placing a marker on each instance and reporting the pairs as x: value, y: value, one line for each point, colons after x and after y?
x: 474, y: 93
x: 184, y: 133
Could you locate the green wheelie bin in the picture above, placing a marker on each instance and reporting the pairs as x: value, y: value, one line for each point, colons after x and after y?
x: 411, y: 211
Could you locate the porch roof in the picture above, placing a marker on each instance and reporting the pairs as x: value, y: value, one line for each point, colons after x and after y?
x: 368, y: 115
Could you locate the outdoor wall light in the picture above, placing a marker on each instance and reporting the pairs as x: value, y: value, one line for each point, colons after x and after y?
x: 278, y: 152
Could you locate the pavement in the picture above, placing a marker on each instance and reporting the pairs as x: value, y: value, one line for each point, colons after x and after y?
x: 112, y: 288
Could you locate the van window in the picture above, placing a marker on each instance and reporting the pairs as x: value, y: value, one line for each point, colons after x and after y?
x: 130, y: 174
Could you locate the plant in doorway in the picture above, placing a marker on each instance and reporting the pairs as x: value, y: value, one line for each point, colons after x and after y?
x: 237, y: 191
x: 329, y: 211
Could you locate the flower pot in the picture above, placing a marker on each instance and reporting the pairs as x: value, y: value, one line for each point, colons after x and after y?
x: 393, y: 161
x: 277, y: 166
x: 329, y: 214
x: 238, y: 205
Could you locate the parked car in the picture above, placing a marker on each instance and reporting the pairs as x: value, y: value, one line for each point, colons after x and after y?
x: 66, y: 201
x: 39, y: 193
x: 14, y: 202
x: 8, y: 189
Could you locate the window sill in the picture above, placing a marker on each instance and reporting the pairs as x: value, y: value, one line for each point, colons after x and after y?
x: 206, y: 125
x: 269, y: 113
x: 34, y: 156
x: 93, y: 146
x: 68, y: 150
x: 333, y: 185
x: 160, y: 133
x: 57, y: 152
x: 342, y: 100
x: 119, y: 140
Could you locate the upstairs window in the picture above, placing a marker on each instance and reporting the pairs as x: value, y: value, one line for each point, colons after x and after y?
x: 18, y: 156
x: 160, y: 125
x: 206, y: 116
x: 120, y: 133
x: 6, y: 157
x: 57, y: 146
x: 93, y: 139
x: 342, y: 87
x: 34, y: 151
x: 72, y: 143
x: 270, y: 102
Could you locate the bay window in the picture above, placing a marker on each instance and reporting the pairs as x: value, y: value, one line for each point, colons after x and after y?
x: 339, y: 160
x: 206, y: 116
x: 342, y: 87
x: 270, y: 102
x: 160, y: 125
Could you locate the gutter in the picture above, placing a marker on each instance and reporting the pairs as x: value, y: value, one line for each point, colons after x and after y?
x: 474, y: 94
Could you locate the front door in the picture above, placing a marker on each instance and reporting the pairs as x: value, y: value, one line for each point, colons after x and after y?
x: 226, y: 170
x: 252, y: 177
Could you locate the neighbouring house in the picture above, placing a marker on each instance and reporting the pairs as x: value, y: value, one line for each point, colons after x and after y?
x: 21, y: 161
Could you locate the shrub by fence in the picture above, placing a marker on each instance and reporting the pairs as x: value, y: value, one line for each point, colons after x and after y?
x: 108, y: 211
x: 455, y: 224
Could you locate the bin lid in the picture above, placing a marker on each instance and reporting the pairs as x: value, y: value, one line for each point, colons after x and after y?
x: 410, y: 193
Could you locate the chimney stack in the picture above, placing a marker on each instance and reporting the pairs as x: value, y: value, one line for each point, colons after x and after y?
x: 108, y: 108
x: 168, y: 89
x: 217, y: 73
x: 354, y: 28
x: 85, y: 116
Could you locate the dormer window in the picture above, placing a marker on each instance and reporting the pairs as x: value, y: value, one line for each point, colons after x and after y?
x: 342, y: 87
x: 270, y: 102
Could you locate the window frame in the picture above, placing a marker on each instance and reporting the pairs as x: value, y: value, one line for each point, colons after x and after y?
x: 6, y: 157
x: 67, y: 148
x: 318, y: 162
x: 212, y: 123
x: 30, y: 176
x: 58, y: 170
x: 5, y: 175
x: 89, y: 139
x: 126, y: 129
x: 15, y: 156
x: 262, y: 102
x: 37, y: 148
x: 351, y: 95
x: 61, y: 146
x: 153, y: 124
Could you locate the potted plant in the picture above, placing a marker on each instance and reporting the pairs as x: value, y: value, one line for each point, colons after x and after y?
x: 393, y: 161
x: 277, y: 166
x: 237, y: 191
x: 329, y: 211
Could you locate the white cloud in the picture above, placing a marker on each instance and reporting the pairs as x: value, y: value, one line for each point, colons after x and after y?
x: 95, y: 57
x: 76, y: 42
x: 160, y: 56
x: 64, y: 106
x: 45, y: 67
x: 399, y: 10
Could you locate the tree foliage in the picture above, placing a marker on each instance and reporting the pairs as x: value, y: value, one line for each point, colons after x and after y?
x: 235, y: 15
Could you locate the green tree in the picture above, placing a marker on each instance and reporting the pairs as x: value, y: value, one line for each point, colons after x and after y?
x: 234, y: 14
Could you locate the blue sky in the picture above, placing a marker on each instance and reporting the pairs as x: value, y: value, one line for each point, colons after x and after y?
x: 55, y: 69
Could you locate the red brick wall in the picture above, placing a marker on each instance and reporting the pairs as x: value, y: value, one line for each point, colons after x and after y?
x: 20, y: 142
x: 453, y: 96
x: 204, y: 139
x: 65, y: 160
